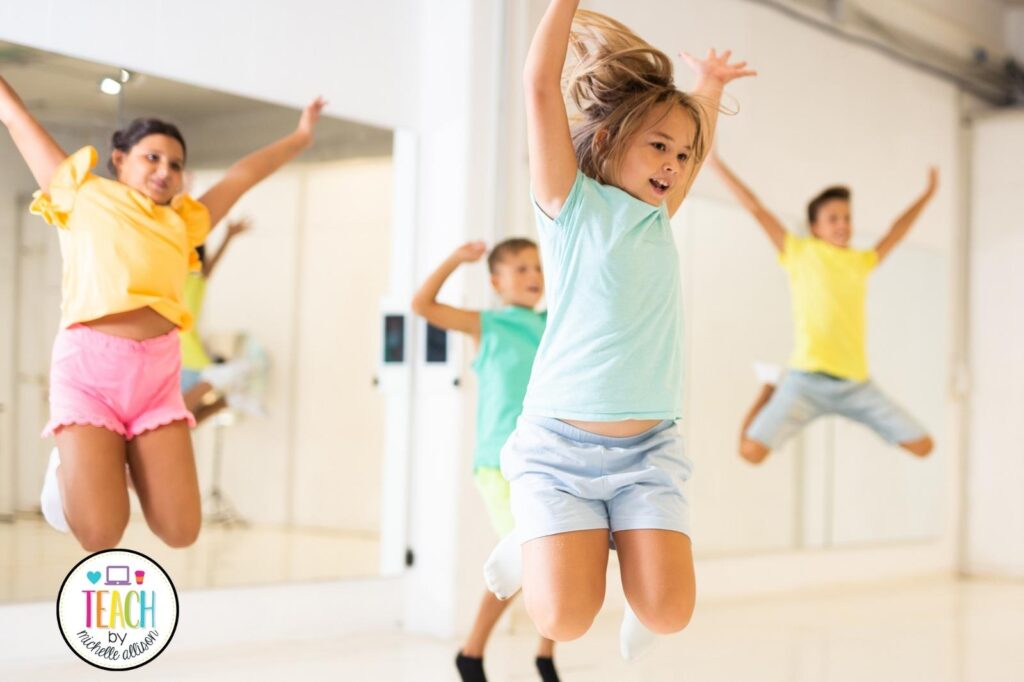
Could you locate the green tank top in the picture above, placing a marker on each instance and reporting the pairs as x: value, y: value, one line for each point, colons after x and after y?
x: 508, y: 343
x: 193, y: 356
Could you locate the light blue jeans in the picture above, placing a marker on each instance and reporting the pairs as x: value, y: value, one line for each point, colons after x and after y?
x: 802, y: 397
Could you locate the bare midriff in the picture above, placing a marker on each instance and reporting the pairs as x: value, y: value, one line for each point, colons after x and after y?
x: 623, y: 429
x: 138, y: 324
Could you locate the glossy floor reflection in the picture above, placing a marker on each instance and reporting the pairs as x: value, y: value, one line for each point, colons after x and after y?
x: 34, y: 558
x: 920, y: 631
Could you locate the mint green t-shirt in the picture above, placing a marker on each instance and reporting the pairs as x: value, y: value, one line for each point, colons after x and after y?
x: 613, y: 345
x: 508, y: 343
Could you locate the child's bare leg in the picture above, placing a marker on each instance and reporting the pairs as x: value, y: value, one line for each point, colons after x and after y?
x: 545, y: 648
x: 92, y: 485
x: 487, y: 615
x: 751, y: 450
x: 164, y: 471
x: 657, y: 577
x: 564, y: 581
x: 921, y: 447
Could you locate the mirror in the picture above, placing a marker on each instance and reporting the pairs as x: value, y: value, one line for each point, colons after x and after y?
x: 291, y: 470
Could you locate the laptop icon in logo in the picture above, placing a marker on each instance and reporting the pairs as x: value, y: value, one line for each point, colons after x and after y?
x: 117, y: 575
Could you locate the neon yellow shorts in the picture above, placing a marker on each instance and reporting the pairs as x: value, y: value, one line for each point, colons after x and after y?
x: 494, y: 489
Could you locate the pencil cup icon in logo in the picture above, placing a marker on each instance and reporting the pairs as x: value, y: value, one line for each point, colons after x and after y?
x: 117, y: 609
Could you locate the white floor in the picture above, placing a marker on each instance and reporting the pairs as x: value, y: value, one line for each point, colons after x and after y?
x: 34, y: 558
x: 921, y: 631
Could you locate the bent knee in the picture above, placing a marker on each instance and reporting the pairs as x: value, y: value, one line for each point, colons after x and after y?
x: 665, y: 617
x: 96, y: 536
x: 562, y: 624
x: 922, y: 447
x: 753, y: 451
x: 179, y: 534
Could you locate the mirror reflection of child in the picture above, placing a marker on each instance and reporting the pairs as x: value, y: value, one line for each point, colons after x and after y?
x: 506, y: 340
x: 209, y: 387
x: 127, y: 245
x: 828, y: 372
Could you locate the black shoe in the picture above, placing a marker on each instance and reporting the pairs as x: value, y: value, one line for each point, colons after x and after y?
x: 471, y: 669
x: 546, y: 668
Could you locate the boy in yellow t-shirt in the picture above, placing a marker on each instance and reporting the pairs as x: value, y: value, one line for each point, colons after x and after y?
x: 828, y: 372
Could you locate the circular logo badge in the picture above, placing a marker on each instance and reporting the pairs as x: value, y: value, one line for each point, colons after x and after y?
x: 117, y: 609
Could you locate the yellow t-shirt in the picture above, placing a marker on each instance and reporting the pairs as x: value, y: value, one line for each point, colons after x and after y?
x: 121, y: 250
x: 829, y: 289
x: 193, y: 355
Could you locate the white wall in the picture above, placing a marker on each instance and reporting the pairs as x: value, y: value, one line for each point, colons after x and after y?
x: 995, y: 504
x: 284, y: 52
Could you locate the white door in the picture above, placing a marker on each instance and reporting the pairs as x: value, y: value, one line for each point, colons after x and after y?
x: 36, y: 323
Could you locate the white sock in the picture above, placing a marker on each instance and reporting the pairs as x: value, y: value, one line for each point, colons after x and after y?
x: 767, y: 373
x: 49, y: 499
x: 503, y: 570
x: 634, y: 639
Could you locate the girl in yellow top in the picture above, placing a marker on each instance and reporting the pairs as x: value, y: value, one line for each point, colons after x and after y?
x: 127, y: 245
x: 828, y: 372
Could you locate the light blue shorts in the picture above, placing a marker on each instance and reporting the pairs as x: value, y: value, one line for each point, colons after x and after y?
x: 802, y: 397
x: 188, y: 379
x: 565, y: 479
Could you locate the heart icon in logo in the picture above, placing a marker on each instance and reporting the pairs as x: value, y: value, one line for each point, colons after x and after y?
x: 93, y: 576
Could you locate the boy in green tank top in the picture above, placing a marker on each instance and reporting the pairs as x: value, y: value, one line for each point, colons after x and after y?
x: 506, y: 340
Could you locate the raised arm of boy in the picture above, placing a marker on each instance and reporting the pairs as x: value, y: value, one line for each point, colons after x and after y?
x: 906, y: 220
x: 425, y: 304
x: 765, y: 218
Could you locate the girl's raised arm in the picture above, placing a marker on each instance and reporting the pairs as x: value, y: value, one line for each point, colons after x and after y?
x: 713, y: 73
x: 552, y: 159
x: 41, y: 153
x: 249, y: 171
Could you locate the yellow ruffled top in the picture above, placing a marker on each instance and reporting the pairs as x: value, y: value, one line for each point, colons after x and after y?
x: 122, y: 251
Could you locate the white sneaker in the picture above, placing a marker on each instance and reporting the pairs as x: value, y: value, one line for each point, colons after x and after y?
x: 49, y: 499
x: 634, y: 639
x: 767, y: 373
x: 503, y: 570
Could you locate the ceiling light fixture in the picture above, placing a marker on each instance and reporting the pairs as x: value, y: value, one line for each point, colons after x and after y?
x: 109, y: 86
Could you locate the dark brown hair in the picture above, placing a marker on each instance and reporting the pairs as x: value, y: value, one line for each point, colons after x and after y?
x: 126, y: 138
x: 826, y: 195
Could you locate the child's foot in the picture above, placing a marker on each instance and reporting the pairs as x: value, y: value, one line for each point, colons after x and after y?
x: 546, y: 668
x: 503, y: 570
x: 767, y: 373
x: 49, y: 499
x: 470, y: 669
x: 634, y: 639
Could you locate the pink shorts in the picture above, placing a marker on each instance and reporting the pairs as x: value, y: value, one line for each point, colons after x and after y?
x: 119, y: 384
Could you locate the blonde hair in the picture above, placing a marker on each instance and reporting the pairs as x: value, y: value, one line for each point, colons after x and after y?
x: 617, y: 80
